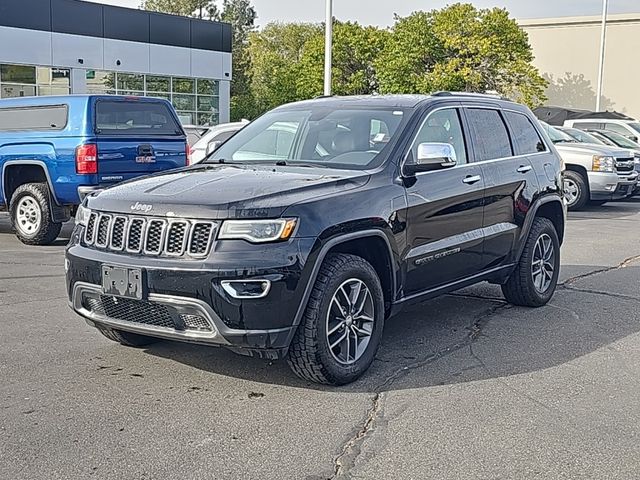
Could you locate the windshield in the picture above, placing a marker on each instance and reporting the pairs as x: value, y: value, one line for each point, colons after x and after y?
x: 583, y: 137
x: 556, y: 135
x: 635, y: 126
x: 622, y: 141
x: 351, y: 138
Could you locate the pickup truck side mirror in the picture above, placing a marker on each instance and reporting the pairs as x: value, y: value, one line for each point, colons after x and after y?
x: 431, y: 156
x: 213, y: 146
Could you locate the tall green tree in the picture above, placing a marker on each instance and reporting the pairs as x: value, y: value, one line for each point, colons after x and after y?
x: 275, y: 55
x: 355, y: 49
x: 205, y: 9
x: 242, y: 16
x: 460, y: 48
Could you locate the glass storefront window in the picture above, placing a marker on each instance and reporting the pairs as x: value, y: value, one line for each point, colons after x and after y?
x: 184, y: 85
x: 186, y: 118
x: 12, y: 91
x: 207, y: 119
x: 158, y: 84
x: 207, y: 87
x: 17, y: 74
x: 196, y: 100
x: 129, y: 81
x: 207, y: 104
x: 184, y: 102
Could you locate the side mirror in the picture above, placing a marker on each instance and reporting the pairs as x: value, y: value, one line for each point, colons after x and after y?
x: 432, y: 156
x: 633, y: 138
x: 213, y: 146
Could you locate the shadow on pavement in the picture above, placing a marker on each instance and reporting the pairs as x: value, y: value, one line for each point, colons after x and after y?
x: 433, y: 343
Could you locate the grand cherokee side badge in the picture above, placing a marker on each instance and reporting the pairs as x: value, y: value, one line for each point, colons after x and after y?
x: 141, y: 207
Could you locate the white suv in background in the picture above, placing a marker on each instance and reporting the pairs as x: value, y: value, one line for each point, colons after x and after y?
x: 628, y: 128
x: 214, y: 137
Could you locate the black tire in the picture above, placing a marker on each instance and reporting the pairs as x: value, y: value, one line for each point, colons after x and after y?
x: 47, y: 230
x: 310, y: 356
x: 520, y: 288
x: 127, y: 339
x: 582, y: 186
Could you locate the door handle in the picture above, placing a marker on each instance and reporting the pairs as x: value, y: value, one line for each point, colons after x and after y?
x: 471, y: 179
x: 524, y: 168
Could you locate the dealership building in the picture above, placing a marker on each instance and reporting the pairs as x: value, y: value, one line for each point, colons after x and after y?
x: 567, y: 52
x: 57, y: 47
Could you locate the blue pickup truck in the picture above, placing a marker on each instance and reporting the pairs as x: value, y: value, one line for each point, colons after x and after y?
x: 56, y: 150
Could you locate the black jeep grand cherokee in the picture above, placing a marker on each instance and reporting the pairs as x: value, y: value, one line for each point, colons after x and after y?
x: 313, y: 225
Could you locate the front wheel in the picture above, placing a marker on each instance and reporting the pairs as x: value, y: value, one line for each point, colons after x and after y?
x: 342, y: 326
x: 576, y: 190
x: 30, y: 210
x: 534, y: 281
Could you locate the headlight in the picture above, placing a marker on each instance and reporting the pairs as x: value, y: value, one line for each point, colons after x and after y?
x: 82, y: 215
x: 603, y: 164
x: 258, y: 231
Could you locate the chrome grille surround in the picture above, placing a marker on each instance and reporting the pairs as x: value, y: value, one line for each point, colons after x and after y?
x: 150, y: 236
x: 118, y: 233
x: 103, y: 230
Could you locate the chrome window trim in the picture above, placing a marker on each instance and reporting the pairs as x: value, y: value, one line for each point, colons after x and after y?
x: 162, y: 237
x: 482, y: 162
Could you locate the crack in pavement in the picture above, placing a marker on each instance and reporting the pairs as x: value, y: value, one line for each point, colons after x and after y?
x: 600, y: 292
x: 351, y: 450
x: 625, y: 263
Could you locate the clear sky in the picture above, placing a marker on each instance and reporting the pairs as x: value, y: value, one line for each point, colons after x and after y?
x: 364, y: 11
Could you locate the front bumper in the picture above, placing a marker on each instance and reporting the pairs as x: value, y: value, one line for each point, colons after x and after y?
x: 187, y: 301
x: 610, y: 186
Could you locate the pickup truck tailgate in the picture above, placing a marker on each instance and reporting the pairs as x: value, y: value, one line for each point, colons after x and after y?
x: 137, y: 136
x: 123, y: 155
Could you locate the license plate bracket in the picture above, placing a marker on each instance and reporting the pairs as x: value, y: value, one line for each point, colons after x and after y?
x: 122, y: 282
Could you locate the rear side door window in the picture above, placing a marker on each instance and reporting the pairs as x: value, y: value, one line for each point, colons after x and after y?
x: 525, y: 137
x: 135, y: 118
x: 489, y: 134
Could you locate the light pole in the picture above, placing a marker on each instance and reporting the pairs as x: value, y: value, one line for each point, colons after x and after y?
x: 328, y: 43
x: 603, y: 38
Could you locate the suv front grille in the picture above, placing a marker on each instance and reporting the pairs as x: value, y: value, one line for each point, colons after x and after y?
x: 150, y: 236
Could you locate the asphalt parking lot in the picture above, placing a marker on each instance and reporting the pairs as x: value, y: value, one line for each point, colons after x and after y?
x: 464, y: 386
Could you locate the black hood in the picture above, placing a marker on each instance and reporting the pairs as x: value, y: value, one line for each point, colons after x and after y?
x: 225, y: 191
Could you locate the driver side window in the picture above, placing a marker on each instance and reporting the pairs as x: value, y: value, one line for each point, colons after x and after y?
x: 443, y: 126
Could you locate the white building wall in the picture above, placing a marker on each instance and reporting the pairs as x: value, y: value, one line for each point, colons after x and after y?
x: 567, y: 53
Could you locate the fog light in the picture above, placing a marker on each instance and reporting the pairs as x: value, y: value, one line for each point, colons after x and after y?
x: 247, y: 288
x: 610, y: 187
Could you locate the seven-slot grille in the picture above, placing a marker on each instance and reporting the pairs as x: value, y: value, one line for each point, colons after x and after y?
x: 149, y: 235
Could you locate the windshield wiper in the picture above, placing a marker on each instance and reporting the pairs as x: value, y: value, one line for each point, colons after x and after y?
x: 283, y: 163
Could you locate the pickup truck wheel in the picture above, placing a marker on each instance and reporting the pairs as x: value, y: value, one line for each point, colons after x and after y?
x: 533, y: 282
x: 342, y: 325
x: 127, y: 339
x: 30, y: 211
x: 576, y: 190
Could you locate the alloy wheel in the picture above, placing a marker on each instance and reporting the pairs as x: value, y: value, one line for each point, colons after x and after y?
x: 571, y: 191
x: 350, y: 321
x: 543, y: 263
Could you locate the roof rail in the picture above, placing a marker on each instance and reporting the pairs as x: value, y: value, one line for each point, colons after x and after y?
x: 495, y: 95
